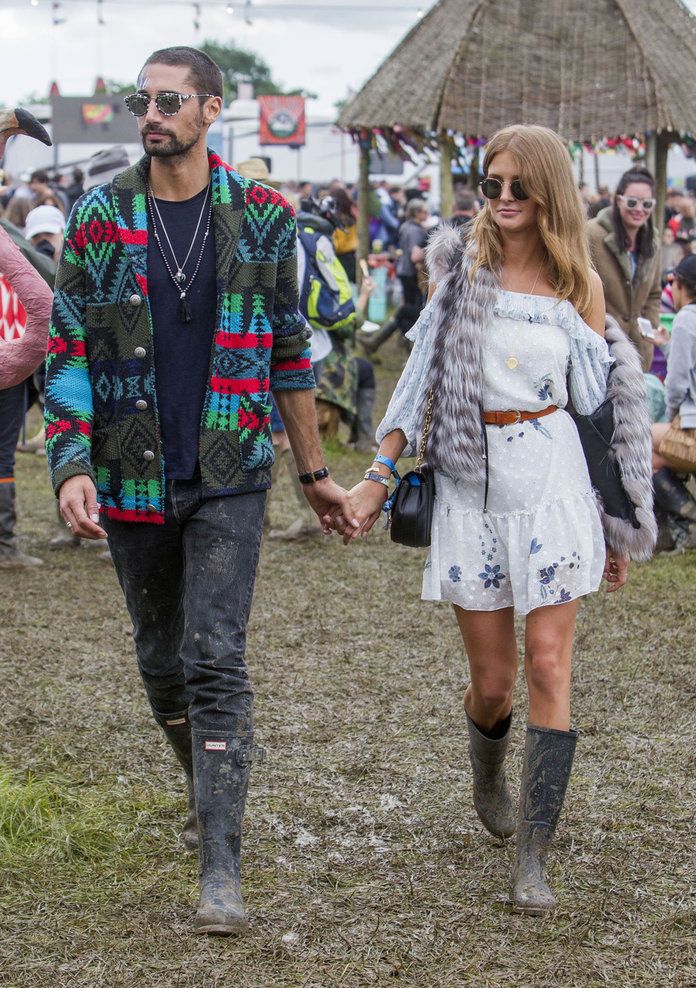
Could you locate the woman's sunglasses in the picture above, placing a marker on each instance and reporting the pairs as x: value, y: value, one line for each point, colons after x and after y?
x: 168, y: 104
x: 492, y: 189
x: 630, y: 202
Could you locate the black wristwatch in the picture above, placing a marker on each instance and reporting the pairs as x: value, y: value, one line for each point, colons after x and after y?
x: 314, y: 476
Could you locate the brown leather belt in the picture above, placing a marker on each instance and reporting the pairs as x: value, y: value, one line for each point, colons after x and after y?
x: 512, y: 418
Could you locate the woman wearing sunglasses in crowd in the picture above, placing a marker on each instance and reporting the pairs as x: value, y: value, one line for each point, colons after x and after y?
x: 625, y: 250
x: 515, y: 321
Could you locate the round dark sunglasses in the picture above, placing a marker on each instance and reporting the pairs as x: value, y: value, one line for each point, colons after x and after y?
x: 168, y: 104
x: 492, y: 189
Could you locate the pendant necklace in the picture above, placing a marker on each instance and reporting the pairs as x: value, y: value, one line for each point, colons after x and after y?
x: 180, y: 278
x: 512, y: 362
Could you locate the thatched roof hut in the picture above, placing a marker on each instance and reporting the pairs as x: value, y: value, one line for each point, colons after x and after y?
x: 589, y: 69
x: 586, y: 69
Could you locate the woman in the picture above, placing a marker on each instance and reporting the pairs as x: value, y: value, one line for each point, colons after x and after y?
x: 671, y: 493
x: 625, y: 250
x: 516, y: 526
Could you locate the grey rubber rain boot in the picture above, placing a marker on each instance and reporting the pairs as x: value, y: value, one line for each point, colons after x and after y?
x: 177, y: 731
x: 221, y: 767
x: 548, y: 759
x: 492, y: 799
x: 673, y: 495
x: 10, y: 555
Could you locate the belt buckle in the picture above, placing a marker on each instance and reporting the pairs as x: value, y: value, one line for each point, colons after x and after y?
x: 518, y: 417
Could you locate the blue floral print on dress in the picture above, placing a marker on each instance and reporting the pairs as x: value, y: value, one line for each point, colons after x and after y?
x: 538, y: 427
x: 455, y: 574
x: 563, y: 597
x: 491, y: 577
x: 535, y: 546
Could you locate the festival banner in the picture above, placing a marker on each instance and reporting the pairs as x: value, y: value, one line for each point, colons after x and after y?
x: 281, y: 120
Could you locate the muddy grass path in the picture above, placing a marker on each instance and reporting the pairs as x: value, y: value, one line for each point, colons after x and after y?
x: 364, y: 862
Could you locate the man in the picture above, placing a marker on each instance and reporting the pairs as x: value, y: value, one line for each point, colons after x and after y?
x: 44, y: 229
x: 412, y: 238
x: 163, y: 346
x: 465, y: 209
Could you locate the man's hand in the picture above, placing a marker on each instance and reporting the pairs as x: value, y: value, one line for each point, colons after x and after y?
x: 331, y: 504
x: 79, y: 507
x: 615, y: 570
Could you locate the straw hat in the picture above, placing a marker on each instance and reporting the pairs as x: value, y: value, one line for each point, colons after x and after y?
x: 257, y: 170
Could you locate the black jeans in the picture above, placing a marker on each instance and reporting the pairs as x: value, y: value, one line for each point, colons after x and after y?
x: 13, y: 403
x: 411, y: 307
x: 188, y: 586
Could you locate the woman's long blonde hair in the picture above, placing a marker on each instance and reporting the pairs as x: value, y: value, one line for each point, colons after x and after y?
x: 546, y: 175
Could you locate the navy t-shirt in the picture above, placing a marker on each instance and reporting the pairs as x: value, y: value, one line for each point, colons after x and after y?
x: 182, y: 350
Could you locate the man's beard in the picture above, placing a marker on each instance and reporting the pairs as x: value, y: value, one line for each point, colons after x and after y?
x: 174, y: 146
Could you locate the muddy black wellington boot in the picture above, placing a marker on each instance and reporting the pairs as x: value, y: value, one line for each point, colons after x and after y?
x: 548, y: 759
x: 492, y: 799
x: 221, y: 769
x: 673, y: 495
x: 177, y: 731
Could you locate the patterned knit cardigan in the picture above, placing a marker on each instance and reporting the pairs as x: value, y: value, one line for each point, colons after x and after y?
x: 101, y: 405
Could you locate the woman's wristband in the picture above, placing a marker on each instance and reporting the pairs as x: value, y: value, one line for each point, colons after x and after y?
x: 377, y: 478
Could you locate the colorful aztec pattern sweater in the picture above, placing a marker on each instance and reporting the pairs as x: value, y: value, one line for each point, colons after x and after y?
x: 101, y: 407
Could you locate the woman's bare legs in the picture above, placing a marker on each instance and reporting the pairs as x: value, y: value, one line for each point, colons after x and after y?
x: 548, y: 653
x: 489, y: 640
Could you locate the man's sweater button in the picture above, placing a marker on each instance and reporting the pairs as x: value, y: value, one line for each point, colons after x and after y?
x: 151, y: 509
x: 141, y: 404
x: 140, y: 351
x: 135, y: 300
x: 148, y: 455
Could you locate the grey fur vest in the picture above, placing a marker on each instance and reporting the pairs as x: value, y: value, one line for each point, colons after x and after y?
x: 455, y: 373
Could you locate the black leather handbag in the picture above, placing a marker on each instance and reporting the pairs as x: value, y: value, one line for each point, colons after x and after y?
x: 596, y: 433
x: 414, y: 499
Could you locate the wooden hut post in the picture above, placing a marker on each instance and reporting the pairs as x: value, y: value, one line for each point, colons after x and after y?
x: 363, y: 205
x: 662, y: 143
x: 446, y: 187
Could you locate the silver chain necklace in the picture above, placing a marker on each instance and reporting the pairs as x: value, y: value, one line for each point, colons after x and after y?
x: 179, y: 278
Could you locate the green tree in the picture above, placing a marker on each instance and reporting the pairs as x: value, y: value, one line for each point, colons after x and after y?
x: 241, y: 65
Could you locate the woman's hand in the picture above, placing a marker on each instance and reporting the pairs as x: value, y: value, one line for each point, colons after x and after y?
x: 366, y: 501
x: 661, y: 335
x: 615, y: 570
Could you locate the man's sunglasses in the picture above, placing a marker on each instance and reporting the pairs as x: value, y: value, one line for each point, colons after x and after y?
x: 492, y: 188
x: 168, y: 104
x: 630, y: 202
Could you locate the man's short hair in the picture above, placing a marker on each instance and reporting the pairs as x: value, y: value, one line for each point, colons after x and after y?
x: 414, y: 207
x: 39, y: 176
x: 204, y: 74
x: 464, y: 200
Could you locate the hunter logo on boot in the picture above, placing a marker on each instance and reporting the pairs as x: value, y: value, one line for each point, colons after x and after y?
x: 216, y: 745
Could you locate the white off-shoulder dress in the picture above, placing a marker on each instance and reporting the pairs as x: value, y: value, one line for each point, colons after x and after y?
x: 540, y: 541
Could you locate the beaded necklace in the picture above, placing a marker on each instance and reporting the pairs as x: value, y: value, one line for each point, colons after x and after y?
x: 179, y: 278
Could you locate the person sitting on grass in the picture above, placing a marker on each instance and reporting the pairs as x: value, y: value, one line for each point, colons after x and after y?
x: 671, y: 493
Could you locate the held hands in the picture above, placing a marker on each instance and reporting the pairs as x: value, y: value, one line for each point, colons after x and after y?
x: 79, y: 507
x: 615, y: 571
x: 366, y: 501
x: 332, y: 505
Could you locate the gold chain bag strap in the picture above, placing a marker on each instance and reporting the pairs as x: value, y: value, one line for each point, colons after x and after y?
x: 678, y: 447
x: 414, y: 498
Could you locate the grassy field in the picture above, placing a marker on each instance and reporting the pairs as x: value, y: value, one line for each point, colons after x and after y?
x: 364, y: 861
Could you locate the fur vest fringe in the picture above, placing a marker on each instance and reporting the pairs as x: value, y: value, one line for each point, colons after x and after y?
x: 455, y: 373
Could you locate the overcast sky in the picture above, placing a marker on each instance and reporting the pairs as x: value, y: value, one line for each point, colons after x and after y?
x: 325, y: 46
